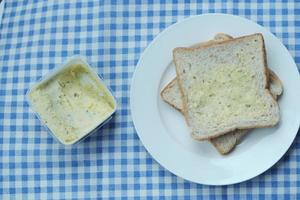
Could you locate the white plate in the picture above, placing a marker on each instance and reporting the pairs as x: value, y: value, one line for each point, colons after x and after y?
x: 163, y: 131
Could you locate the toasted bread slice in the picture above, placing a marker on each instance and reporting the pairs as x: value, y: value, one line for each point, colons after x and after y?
x: 225, y: 143
x: 224, y: 87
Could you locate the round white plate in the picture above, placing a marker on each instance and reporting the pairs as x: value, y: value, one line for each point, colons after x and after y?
x: 163, y: 130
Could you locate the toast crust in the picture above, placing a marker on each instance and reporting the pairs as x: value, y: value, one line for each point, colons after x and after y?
x: 166, y: 88
x: 273, y: 77
x: 222, y: 151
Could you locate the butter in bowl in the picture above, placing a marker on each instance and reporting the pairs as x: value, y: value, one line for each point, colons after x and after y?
x: 72, y: 101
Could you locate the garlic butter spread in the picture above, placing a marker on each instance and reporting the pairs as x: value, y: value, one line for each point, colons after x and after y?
x: 224, y: 92
x: 72, y: 103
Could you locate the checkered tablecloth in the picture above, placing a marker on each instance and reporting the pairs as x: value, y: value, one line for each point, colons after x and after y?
x: 37, y: 35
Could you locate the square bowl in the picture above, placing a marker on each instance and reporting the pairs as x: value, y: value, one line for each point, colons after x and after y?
x: 72, y: 101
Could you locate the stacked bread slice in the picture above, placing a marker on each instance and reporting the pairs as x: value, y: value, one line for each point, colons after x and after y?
x: 223, y: 88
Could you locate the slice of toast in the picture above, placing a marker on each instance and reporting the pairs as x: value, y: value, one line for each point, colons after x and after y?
x: 224, y: 144
x: 224, y: 87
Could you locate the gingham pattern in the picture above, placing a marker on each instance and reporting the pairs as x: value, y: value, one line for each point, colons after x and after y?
x: 38, y: 35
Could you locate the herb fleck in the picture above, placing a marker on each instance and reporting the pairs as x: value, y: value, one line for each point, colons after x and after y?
x: 61, y: 84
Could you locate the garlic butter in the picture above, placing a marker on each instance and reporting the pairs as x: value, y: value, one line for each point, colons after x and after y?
x: 72, y: 103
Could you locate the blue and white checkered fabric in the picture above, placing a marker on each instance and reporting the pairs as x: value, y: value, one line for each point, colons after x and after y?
x: 38, y: 35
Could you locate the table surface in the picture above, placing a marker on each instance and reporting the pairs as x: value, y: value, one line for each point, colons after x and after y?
x: 38, y: 35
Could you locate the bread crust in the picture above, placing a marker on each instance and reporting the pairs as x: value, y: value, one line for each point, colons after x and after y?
x: 222, y: 151
x: 273, y: 77
x: 170, y: 84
